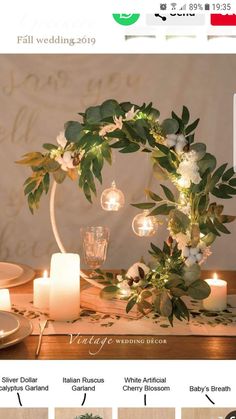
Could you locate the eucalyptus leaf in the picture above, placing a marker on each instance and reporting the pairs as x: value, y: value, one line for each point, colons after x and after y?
x: 199, y: 290
x: 170, y: 126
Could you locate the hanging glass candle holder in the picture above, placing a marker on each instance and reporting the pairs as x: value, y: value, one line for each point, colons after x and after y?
x: 145, y: 225
x: 112, y: 199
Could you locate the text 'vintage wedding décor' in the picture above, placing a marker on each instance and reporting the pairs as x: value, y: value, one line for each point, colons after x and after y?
x: 194, y: 218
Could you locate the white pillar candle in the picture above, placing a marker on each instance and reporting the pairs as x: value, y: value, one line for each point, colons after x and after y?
x: 217, y: 300
x: 65, y: 287
x: 42, y: 292
x: 5, y: 300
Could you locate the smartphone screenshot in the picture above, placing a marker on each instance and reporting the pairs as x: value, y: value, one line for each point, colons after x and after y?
x: 118, y: 209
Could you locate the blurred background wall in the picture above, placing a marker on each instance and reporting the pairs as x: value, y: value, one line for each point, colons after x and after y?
x: 38, y: 93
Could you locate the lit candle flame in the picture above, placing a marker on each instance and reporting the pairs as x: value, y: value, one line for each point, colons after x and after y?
x: 45, y: 274
x: 215, y: 276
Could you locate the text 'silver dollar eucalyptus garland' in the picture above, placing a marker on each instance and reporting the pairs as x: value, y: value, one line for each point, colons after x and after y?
x: 194, y: 219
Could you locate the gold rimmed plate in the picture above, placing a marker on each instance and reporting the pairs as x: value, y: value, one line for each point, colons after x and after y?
x: 26, y: 274
x: 25, y: 329
x: 9, y: 324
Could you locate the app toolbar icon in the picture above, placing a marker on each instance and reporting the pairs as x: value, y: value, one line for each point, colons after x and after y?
x: 126, y: 19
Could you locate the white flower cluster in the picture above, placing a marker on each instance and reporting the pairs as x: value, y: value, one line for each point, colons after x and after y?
x: 191, y: 254
x: 61, y: 155
x: 133, y: 272
x: 189, y: 170
x: 176, y: 141
x: 118, y: 122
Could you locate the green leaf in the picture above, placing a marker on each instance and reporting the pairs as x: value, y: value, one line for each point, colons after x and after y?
x: 154, y: 196
x: 216, y: 176
x: 168, y: 193
x: 232, y: 182
x: 111, y: 289
x: 221, y: 227
x: 106, y: 152
x: 219, y: 193
x: 165, y: 304
x: 174, y: 282
x: 179, y: 220
x: 59, y: 176
x: 192, y: 126
x: 145, y: 205
x: 209, y: 239
x: 162, y: 210
x: 87, y: 192
x: 131, y: 304
x: 227, y: 218
x: 199, y: 290
x: 131, y: 148
x: 38, y: 193
x: 165, y: 150
x: 166, y: 164
x: 49, y: 147
x: 228, y: 174
x: 228, y: 189
x: 185, y: 115
x: 200, y: 150
x: 31, y: 202
x: 46, y: 182
x: 124, y: 142
x: 110, y: 108
x: 73, y: 131
x: 169, y: 126
x: 30, y: 187
x: 211, y: 227
x: 93, y: 115
x: 191, y: 273
x: 208, y: 162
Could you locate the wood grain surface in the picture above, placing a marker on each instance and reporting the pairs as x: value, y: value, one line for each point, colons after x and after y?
x: 146, y: 413
x: 176, y: 347
x: 22, y: 413
x: 71, y: 413
x: 208, y: 413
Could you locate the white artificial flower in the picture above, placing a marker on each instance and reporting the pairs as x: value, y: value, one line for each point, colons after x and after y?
x: 133, y: 271
x: 189, y: 170
x: 129, y: 116
x: 196, y: 254
x: 61, y: 139
x: 176, y: 140
x: 118, y: 124
x: 125, y: 288
x: 65, y: 161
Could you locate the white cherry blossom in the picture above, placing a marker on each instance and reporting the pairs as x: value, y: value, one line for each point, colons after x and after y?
x: 129, y: 116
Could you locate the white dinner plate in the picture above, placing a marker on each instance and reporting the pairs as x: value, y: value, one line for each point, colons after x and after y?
x: 9, y: 324
x: 26, y: 276
x: 9, y: 271
x: 25, y: 330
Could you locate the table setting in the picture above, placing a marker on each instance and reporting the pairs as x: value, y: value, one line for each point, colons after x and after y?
x: 165, y: 296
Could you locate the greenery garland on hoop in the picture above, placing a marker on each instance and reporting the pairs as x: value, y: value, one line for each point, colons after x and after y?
x: 194, y: 221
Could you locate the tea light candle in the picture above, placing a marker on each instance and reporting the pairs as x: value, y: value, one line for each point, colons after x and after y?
x: 217, y: 300
x: 65, y: 287
x: 42, y: 292
x: 5, y: 300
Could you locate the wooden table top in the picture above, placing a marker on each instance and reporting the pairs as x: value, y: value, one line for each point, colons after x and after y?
x: 138, y: 347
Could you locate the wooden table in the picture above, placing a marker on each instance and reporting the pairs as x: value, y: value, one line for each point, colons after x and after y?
x: 176, y: 347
